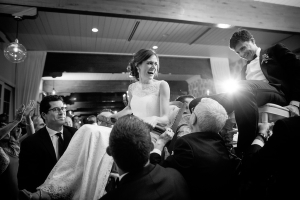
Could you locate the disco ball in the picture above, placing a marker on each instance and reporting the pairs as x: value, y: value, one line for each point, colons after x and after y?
x: 15, y: 52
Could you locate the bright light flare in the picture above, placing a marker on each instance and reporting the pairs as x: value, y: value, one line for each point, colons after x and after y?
x: 230, y: 86
x: 95, y: 30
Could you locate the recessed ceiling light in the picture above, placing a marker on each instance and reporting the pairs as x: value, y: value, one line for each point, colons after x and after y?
x: 95, y: 30
x: 223, y: 25
x: 154, y: 47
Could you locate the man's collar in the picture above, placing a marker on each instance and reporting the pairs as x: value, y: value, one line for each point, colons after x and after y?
x: 256, y: 56
x: 53, y: 132
x: 137, y: 174
x: 258, y: 52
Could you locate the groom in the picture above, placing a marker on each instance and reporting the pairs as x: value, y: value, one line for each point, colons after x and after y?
x: 271, y: 76
x: 40, y: 151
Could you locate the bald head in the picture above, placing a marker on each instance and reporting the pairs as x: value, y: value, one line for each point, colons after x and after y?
x: 208, y: 116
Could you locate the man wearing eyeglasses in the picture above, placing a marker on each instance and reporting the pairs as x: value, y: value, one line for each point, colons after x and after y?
x: 41, y: 151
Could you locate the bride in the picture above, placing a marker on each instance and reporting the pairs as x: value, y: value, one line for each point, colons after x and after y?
x: 83, y: 170
x: 148, y: 98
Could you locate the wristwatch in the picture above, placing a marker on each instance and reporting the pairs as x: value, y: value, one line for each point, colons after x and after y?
x: 264, y: 137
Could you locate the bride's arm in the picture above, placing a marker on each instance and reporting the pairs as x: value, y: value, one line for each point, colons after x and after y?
x: 164, y: 93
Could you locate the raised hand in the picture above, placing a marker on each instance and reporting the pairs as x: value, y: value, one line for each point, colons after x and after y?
x: 29, y: 108
x: 20, y: 112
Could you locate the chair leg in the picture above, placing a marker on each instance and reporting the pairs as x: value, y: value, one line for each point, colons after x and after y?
x: 264, y: 117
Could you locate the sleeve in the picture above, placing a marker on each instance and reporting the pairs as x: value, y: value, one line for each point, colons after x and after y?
x: 28, y: 166
x: 182, y: 158
x: 155, y: 158
x: 262, y: 161
x: 292, y: 64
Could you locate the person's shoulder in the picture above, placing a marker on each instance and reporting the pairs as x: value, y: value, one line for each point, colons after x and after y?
x: 276, y: 47
x: 34, y: 137
x: 70, y: 129
x: 169, y: 172
x: 163, y: 84
x: 160, y: 82
x: 132, y: 86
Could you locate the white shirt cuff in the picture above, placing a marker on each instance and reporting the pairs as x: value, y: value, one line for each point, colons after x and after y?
x: 156, y: 151
x: 258, y: 142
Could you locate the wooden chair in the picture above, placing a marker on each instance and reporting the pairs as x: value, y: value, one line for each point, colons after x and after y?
x: 267, y: 113
x: 272, y: 112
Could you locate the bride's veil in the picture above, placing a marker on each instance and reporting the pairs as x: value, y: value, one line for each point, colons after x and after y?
x: 83, y: 170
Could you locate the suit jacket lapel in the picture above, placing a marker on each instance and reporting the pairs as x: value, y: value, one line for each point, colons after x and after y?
x: 47, y: 143
x: 67, y: 137
x: 263, y: 65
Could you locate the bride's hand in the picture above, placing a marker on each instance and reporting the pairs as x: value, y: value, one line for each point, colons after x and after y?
x: 150, y: 120
x: 166, y: 136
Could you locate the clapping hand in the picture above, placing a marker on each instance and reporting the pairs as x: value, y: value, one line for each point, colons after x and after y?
x: 20, y: 112
x: 29, y: 108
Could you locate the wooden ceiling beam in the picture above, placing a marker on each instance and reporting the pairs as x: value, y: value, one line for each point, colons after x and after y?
x: 57, y: 63
x: 86, y: 86
x: 94, y: 105
x: 249, y: 14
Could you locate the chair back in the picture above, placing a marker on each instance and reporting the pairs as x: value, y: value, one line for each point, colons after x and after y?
x: 271, y: 112
x: 175, y: 117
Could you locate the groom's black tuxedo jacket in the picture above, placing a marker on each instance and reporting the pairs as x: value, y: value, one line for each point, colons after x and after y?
x: 37, y: 158
x: 281, y: 69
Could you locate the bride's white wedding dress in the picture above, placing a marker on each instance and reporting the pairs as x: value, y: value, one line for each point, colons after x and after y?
x: 83, y: 170
x: 145, y: 101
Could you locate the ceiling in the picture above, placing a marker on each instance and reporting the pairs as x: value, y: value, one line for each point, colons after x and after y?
x: 181, y: 29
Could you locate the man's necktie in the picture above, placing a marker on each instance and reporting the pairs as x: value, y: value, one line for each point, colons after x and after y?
x: 61, y: 148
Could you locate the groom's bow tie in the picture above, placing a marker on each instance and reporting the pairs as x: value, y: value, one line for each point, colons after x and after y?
x: 252, y: 59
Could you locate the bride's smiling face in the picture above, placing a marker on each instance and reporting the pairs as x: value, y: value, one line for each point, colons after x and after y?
x: 148, y: 68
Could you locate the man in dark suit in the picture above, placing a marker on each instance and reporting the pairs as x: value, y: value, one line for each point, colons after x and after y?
x: 201, y: 156
x: 40, y: 151
x: 271, y: 167
x: 130, y: 145
x: 270, y: 76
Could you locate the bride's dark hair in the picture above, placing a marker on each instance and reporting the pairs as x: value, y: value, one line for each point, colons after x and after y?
x: 137, y: 59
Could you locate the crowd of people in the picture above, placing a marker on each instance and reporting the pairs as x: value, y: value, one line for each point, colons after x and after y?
x: 58, y: 158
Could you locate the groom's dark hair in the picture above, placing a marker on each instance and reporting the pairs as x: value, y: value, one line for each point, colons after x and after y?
x: 130, y: 143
